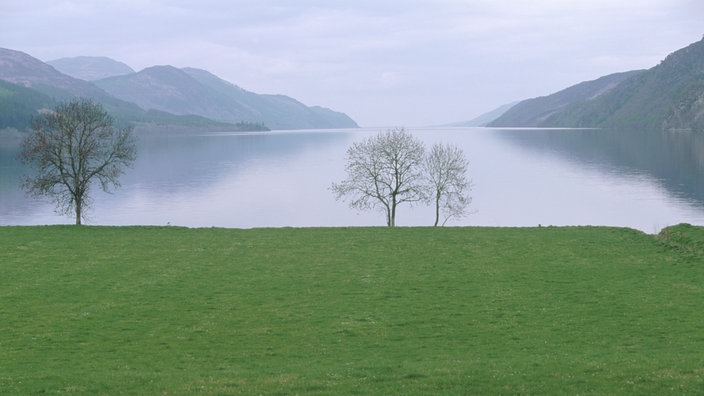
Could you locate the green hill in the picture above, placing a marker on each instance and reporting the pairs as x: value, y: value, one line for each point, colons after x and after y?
x: 30, y: 85
x: 160, y: 98
x: 335, y: 311
x: 541, y: 111
x: 667, y: 96
x: 19, y: 104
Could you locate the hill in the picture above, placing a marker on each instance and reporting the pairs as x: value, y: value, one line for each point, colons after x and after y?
x: 19, y: 104
x: 537, y: 112
x: 484, y: 119
x: 26, y: 77
x: 340, y: 311
x: 168, y: 98
x: 90, y: 68
x: 667, y: 96
x: 19, y: 68
x: 196, y: 91
x: 282, y: 112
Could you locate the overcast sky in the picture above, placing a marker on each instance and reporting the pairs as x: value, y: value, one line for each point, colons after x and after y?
x: 383, y: 62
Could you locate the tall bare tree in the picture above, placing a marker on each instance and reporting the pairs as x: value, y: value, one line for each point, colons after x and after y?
x: 70, y: 148
x: 383, y: 172
x: 447, y: 184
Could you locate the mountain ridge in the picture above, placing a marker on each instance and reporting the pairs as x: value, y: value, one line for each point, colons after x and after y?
x: 90, y: 68
x: 197, y: 91
x: 535, y: 111
x: 668, y: 96
x: 22, y: 71
x: 19, y: 68
x: 484, y: 119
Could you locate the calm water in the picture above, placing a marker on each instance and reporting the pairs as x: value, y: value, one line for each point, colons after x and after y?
x: 275, y: 179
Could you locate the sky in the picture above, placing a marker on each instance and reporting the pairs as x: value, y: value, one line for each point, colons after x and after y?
x: 384, y: 63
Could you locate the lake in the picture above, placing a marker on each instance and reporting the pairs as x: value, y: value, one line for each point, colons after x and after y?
x: 521, y: 177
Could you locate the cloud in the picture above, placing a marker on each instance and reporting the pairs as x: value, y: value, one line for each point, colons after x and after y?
x: 373, y: 59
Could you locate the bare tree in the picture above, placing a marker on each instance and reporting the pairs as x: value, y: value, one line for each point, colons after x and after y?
x: 70, y: 148
x: 446, y: 177
x: 383, y: 172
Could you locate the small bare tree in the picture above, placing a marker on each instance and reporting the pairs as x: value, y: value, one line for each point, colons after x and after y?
x: 70, y: 148
x: 383, y: 172
x: 447, y: 184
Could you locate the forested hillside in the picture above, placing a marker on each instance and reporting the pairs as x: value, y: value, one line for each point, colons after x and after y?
x: 160, y: 98
x: 19, y: 104
x: 667, y: 96
x: 538, y: 111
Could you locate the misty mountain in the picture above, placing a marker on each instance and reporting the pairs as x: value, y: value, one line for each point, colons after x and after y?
x: 30, y: 85
x: 276, y: 109
x: 486, y: 118
x: 163, y: 88
x: 90, y: 68
x: 26, y: 71
x: 21, y: 69
x: 196, y: 91
x: 158, y: 98
x: 537, y: 112
x: 667, y: 96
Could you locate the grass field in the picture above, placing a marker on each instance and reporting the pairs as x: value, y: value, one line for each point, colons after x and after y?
x: 167, y: 310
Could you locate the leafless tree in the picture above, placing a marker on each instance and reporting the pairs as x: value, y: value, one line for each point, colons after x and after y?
x: 446, y: 179
x: 383, y: 172
x: 71, y: 147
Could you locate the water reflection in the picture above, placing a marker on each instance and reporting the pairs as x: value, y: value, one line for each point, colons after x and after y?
x: 521, y: 178
x: 674, y: 159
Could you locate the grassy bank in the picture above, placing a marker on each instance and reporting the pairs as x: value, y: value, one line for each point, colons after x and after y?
x: 123, y: 310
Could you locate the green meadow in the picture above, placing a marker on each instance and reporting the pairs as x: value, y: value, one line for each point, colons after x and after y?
x: 426, y: 311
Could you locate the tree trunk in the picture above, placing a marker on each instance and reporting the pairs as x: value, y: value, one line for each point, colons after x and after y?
x: 392, y: 218
x: 437, y: 210
x: 78, y: 212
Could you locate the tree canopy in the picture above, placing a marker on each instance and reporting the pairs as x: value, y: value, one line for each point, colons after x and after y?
x: 391, y: 168
x: 383, y: 171
x: 446, y: 175
x: 72, y: 147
